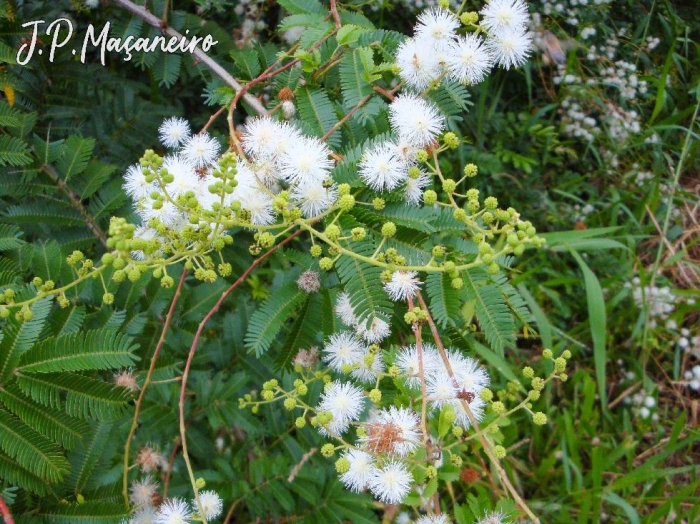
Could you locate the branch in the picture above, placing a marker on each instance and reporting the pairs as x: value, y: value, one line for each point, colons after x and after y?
x: 193, y: 348
x: 144, y: 387
x: 219, y: 71
x: 5, y: 512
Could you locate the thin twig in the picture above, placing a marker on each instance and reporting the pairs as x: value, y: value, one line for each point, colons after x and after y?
x: 340, y: 122
x: 5, y: 512
x: 193, y: 348
x: 502, y: 475
x: 336, y: 16
x: 144, y: 387
x: 90, y: 221
x: 200, y: 55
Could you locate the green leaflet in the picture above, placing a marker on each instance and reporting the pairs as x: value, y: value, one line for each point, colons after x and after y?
x: 444, y: 299
x: 272, y: 315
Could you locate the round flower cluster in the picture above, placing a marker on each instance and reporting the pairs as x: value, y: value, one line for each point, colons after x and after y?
x: 144, y: 496
x: 571, y: 10
x: 436, y: 50
x: 643, y: 406
x: 660, y: 299
x: 692, y: 377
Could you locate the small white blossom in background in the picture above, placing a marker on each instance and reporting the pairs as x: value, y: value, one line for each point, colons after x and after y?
x: 493, y: 518
x: 403, y: 285
x: 434, y: 519
x: 143, y: 515
x: 174, y: 131
x: 173, y: 511
x: 141, y: 492
x: 692, y: 378
x: 211, y: 504
x: 643, y: 405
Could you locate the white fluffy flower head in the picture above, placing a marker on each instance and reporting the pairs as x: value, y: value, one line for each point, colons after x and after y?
x: 416, y: 121
x: 211, y: 504
x: 343, y: 349
x: 173, y: 511
x: 504, y: 15
x: 469, y: 60
x: 361, y: 470
x: 381, y: 169
x: 403, y: 285
x: 345, y: 402
x: 200, y: 150
x: 174, y: 131
x: 418, y: 63
x: 510, y: 48
x: 437, y: 24
x: 434, y: 519
x: 391, y: 483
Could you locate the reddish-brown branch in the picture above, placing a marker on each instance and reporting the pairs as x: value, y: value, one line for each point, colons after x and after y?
x: 5, y: 512
x: 336, y: 16
x: 146, y: 383
x: 333, y: 129
x: 195, y: 342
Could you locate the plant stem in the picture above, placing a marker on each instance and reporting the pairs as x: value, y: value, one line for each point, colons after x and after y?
x: 144, y: 387
x: 5, y: 512
x: 193, y: 348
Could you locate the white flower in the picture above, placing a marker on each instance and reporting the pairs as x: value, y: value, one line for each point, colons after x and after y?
x: 254, y: 200
x: 468, y: 60
x: 434, y: 519
x: 408, y: 363
x: 403, y: 285
x: 307, y: 161
x: 391, y: 483
x: 184, y: 177
x: 173, y: 511
x: 493, y: 518
x: 367, y: 373
x: 416, y: 121
x: 510, y: 48
x: 343, y: 349
x: 344, y: 310
x: 393, y: 431
x: 476, y: 406
x: 314, y: 198
x: 173, y: 131
x: 345, y: 402
x: 405, y: 152
x: 144, y: 515
x: 141, y: 492
x: 418, y: 63
x: 168, y: 214
x: 378, y: 330
x: 504, y: 15
x: 135, y: 184
x: 380, y: 168
x: 469, y: 375
x: 438, y: 25
x: 265, y: 138
x: 288, y: 109
x: 200, y: 150
x: 415, y: 187
x: 211, y: 504
x: 440, y: 388
x: 362, y: 469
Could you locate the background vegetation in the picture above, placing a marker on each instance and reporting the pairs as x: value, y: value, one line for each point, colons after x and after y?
x: 600, y: 152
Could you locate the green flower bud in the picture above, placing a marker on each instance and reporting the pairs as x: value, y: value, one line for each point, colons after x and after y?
x: 343, y: 189
x: 422, y: 156
x: 486, y: 394
x: 333, y: 232
x: 533, y: 394
x: 358, y: 233
x: 108, y: 298
x: 498, y: 407
x: 457, y: 283
x: 469, y: 18
x: 449, y: 186
x: 456, y: 460
x: 547, y: 353
x: 290, y: 403
x: 537, y: 383
x: 493, y: 269
x: 342, y: 465
x: 346, y: 202
x: 378, y: 203
x: 375, y: 396
x: 37, y: 281
x: 316, y: 251
x: 167, y: 281
x: 450, y: 139
x: 539, y: 418
x: 470, y: 170
x: 300, y: 422
x: 328, y: 450
x: 325, y: 263
x: 499, y: 451
x: 566, y: 354
x: 267, y: 395
x: 559, y: 364
x: 460, y: 214
x: 458, y: 431
x: 200, y: 483
x: 389, y: 229
x: 491, y: 203
x: 528, y: 372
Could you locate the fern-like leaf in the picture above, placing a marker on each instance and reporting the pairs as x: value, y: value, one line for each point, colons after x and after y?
x: 86, y: 513
x: 75, y: 157
x: 269, y: 319
x: 354, y: 76
x: 19, y: 337
x: 9, y: 237
x: 31, y: 450
x: 444, y: 299
x: 317, y: 113
x: 13, y: 151
x: 85, y: 397
x: 492, y: 312
x: 303, y: 6
x: 13, y: 473
x: 79, y: 352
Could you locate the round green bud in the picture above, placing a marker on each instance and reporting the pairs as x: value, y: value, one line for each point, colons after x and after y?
x: 358, y: 233
x: 343, y: 189
x: 108, y: 298
x: 266, y: 240
x: 498, y: 407
x: 342, y: 465
x: 559, y: 364
x: 460, y: 214
x: 470, y: 170
x: 267, y: 395
x: 27, y: 314
x: 346, y: 202
x: 4, y: 312
x: 37, y: 281
x: 63, y: 302
x: 486, y: 394
x: 499, y: 452
x: 328, y: 450
x: 491, y: 203
x: 414, y: 172
x: 119, y: 276
x: 537, y: 383
x: 429, y: 197
x: 528, y: 372
x: 134, y: 275
x: 302, y: 389
x: 378, y: 203
x: 530, y: 231
x: 473, y: 206
x: 389, y: 229
x: 488, y: 218
x: 444, y: 4
x: 487, y: 258
x: 566, y: 354
x: 300, y: 422
x: 449, y: 186
x: 333, y: 232
x: 457, y: 431
x: 533, y: 394
x: 225, y: 269
x: 457, y: 283
x: 456, y: 460
x: 200, y: 483
x: 325, y: 263
x: 469, y: 18
x: 375, y: 396
x: 547, y: 353
x: 316, y: 251
x: 501, y: 215
x: 519, y: 250
x: 450, y: 139
x: 254, y: 409
x: 394, y: 371
x: 563, y: 377
x: 493, y: 269
x: 290, y: 403
x: 167, y: 281
x: 430, y: 472
x: 539, y: 418
x: 422, y: 156
x: 119, y: 263
x: 438, y: 251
